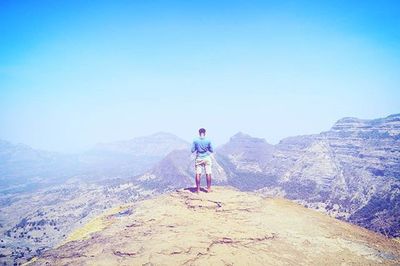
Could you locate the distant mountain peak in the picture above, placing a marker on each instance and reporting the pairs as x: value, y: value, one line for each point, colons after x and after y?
x: 142, y: 140
x: 163, y: 134
x: 349, y: 120
x: 356, y: 119
x: 240, y: 134
x: 347, y: 123
x: 4, y: 143
x: 241, y: 137
x: 394, y: 115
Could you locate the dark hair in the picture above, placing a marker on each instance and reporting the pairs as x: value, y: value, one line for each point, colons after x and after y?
x: 202, y: 130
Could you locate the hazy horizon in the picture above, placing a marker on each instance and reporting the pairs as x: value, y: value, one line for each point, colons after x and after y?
x: 74, y: 74
x: 189, y: 140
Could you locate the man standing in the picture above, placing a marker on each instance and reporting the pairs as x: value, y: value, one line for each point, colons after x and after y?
x: 203, y: 148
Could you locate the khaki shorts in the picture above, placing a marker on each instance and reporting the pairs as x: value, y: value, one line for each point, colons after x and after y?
x: 205, y: 163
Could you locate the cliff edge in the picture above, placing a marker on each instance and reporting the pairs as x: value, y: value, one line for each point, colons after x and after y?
x: 224, y: 227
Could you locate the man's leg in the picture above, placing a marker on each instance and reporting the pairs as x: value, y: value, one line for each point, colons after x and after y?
x: 208, y: 177
x: 198, y: 182
x: 198, y: 174
x: 208, y: 173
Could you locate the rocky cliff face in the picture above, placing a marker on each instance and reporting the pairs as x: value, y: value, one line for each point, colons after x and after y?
x: 224, y: 227
x: 351, y: 172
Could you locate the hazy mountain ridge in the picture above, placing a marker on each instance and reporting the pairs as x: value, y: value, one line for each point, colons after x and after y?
x: 130, y: 157
x: 23, y: 168
x: 157, y: 144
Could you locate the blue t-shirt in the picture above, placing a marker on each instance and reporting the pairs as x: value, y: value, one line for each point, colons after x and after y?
x: 202, y: 146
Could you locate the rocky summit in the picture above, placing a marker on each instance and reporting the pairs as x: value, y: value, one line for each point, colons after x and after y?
x: 223, y: 227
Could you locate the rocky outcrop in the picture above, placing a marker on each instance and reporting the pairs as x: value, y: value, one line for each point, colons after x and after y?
x: 224, y: 227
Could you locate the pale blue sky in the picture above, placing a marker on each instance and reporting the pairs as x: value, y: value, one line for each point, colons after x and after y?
x: 73, y: 74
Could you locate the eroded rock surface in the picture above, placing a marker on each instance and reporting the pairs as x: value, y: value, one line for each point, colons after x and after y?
x: 224, y: 227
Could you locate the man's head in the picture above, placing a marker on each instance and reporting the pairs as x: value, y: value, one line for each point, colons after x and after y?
x: 202, y: 132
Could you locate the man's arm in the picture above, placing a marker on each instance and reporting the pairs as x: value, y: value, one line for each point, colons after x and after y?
x: 193, y: 146
x: 210, y: 147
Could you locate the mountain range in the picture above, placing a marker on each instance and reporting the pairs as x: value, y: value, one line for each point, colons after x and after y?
x: 23, y: 168
x: 351, y: 172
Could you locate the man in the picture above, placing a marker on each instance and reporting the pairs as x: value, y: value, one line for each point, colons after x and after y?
x: 203, y: 148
